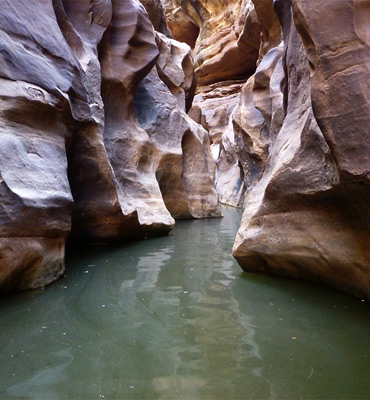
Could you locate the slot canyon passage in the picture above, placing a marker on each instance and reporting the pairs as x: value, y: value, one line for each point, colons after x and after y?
x: 166, y: 168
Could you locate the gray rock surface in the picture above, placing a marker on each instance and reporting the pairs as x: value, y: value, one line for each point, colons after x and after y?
x: 73, y: 158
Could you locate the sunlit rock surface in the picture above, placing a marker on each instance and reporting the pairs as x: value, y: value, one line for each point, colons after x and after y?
x: 73, y: 158
x: 182, y: 25
x: 307, y: 212
x: 229, y: 36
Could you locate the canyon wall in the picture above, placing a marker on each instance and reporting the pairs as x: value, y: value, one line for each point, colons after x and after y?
x: 101, y: 140
x: 307, y: 166
x: 228, y: 36
x: 80, y: 155
x: 227, y: 39
x: 292, y: 141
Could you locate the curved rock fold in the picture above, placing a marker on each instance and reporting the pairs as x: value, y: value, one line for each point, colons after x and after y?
x: 74, y: 160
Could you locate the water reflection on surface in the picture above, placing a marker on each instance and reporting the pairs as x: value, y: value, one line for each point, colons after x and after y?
x: 175, y: 318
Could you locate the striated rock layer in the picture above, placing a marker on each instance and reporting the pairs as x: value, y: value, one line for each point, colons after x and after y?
x: 305, y: 151
x: 213, y: 106
x: 73, y: 156
x: 244, y: 142
x: 229, y: 44
x: 228, y: 36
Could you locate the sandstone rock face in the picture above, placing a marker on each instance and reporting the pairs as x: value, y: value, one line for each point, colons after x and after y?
x: 175, y: 66
x: 73, y: 157
x: 307, y: 208
x: 38, y: 71
x: 245, y: 143
x: 213, y: 106
x: 185, y: 169
x: 271, y: 34
x: 229, y: 36
x: 229, y: 175
x: 226, y: 53
x: 243, y: 149
x: 124, y: 65
x: 182, y: 26
x: 156, y: 15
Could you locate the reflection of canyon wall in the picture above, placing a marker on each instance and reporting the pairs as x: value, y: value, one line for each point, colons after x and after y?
x: 304, y: 149
x: 73, y: 154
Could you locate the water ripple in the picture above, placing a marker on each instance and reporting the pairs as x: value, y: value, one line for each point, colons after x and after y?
x: 175, y: 318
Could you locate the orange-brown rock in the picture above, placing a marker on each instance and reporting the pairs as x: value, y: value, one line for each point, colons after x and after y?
x: 343, y: 62
x: 182, y: 26
x: 245, y: 141
x: 229, y: 36
x: 271, y: 34
x: 156, y: 15
x: 307, y: 214
x: 226, y: 53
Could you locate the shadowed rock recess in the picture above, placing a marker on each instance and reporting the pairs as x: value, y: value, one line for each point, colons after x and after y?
x: 79, y: 154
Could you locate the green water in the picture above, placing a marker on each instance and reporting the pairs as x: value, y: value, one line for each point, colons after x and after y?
x: 175, y: 318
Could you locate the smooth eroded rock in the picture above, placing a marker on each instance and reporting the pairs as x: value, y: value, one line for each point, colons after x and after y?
x: 229, y: 36
x: 184, y: 166
x: 73, y: 158
x: 307, y: 216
